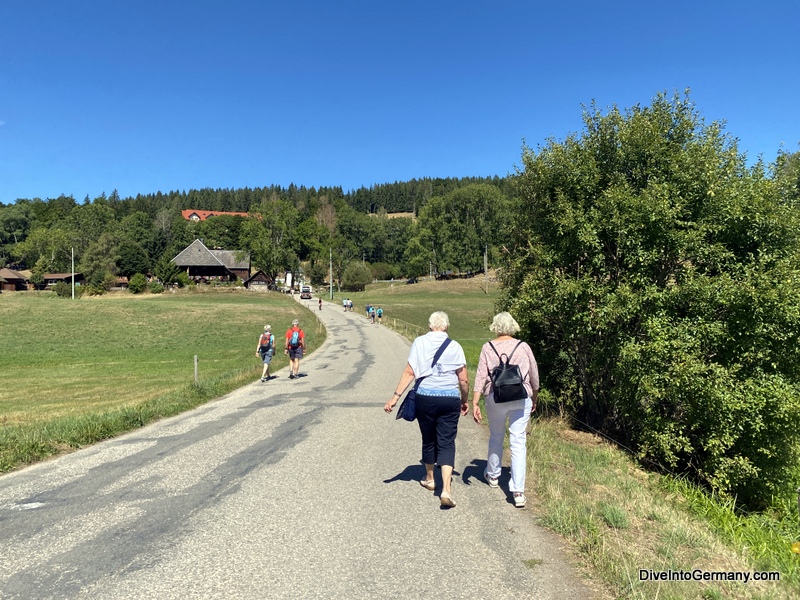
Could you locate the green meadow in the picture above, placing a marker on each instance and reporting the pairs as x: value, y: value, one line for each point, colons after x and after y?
x: 74, y: 371
x: 407, y: 308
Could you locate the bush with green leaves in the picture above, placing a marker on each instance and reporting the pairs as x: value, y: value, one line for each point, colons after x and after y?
x: 658, y: 277
x: 167, y: 271
x: 137, y: 283
x: 317, y: 272
x: 384, y: 271
x: 182, y: 279
x: 356, y: 276
x: 64, y: 290
x: 156, y: 287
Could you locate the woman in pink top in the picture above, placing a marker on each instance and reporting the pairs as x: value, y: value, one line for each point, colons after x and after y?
x: 518, y: 412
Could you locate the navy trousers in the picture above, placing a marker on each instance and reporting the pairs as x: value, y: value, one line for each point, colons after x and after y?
x: 438, y: 423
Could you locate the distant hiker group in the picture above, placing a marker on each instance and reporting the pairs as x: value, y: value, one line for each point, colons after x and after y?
x: 374, y: 313
x: 294, y: 347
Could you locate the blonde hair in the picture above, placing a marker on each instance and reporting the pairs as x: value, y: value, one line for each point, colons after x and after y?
x: 439, y: 321
x: 504, y: 324
x: 267, y: 327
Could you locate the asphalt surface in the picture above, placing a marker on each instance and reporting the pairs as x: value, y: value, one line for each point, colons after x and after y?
x: 287, y: 489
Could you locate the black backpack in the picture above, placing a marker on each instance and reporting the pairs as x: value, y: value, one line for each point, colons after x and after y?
x: 265, y: 347
x: 507, y: 379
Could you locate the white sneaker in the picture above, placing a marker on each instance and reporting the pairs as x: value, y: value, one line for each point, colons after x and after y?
x: 492, y: 481
x: 519, y: 499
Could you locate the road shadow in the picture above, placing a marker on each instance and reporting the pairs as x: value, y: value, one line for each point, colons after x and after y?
x: 410, y: 473
x: 475, y: 472
x: 416, y: 472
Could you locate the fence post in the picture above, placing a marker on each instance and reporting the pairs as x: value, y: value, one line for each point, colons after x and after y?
x: 196, y: 382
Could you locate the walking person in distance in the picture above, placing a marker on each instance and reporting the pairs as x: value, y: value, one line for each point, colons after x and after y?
x: 295, y: 347
x: 266, y: 349
x: 441, y: 398
x: 517, y: 412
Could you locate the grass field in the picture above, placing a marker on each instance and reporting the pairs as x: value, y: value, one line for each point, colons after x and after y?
x: 467, y: 305
x: 65, y: 362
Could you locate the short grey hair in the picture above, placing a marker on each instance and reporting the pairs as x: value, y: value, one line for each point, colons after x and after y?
x: 295, y: 322
x: 439, y: 321
x: 504, y: 324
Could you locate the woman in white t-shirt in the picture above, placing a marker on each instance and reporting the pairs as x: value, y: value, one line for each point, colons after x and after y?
x: 441, y: 399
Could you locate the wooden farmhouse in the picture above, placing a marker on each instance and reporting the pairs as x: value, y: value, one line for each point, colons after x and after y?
x: 12, y: 281
x: 203, y: 264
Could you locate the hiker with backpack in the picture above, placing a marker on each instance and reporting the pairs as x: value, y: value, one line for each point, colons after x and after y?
x: 509, y: 379
x: 266, y: 349
x: 441, y: 391
x: 294, y: 348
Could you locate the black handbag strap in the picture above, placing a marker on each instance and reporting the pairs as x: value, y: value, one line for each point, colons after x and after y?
x: 436, y: 358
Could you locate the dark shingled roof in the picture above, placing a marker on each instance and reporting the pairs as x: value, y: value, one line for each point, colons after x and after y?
x: 197, y: 255
x: 11, y: 275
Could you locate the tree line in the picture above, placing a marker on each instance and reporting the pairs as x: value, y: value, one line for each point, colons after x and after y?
x: 291, y: 228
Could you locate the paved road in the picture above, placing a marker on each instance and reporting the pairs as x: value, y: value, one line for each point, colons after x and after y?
x: 288, y: 489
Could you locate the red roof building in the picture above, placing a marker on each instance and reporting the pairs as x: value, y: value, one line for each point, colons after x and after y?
x: 202, y: 215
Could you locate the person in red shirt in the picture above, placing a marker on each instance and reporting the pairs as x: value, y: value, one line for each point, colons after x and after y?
x: 294, y: 347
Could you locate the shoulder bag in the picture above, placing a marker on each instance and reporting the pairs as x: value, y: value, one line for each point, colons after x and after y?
x: 408, y: 407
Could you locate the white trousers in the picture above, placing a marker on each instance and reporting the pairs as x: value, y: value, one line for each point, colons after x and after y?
x: 518, y: 413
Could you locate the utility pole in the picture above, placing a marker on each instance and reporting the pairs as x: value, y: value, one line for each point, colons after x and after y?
x: 73, y: 273
x: 330, y: 276
x: 486, y: 267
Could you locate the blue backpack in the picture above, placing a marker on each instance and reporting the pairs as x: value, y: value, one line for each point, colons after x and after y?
x: 294, y: 342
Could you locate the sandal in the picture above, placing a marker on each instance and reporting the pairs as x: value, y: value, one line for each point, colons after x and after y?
x: 428, y: 484
x: 446, y: 499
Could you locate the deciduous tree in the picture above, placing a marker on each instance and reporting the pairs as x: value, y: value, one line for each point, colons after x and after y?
x: 657, y: 276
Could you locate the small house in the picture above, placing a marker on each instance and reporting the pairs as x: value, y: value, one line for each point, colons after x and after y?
x: 12, y: 281
x: 259, y: 281
x: 50, y: 279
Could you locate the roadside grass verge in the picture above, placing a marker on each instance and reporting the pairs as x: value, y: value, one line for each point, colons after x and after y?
x: 622, y: 519
x: 619, y: 518
x: 75, y: 372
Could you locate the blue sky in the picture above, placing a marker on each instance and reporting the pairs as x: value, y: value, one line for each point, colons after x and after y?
x: 150, y: 96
